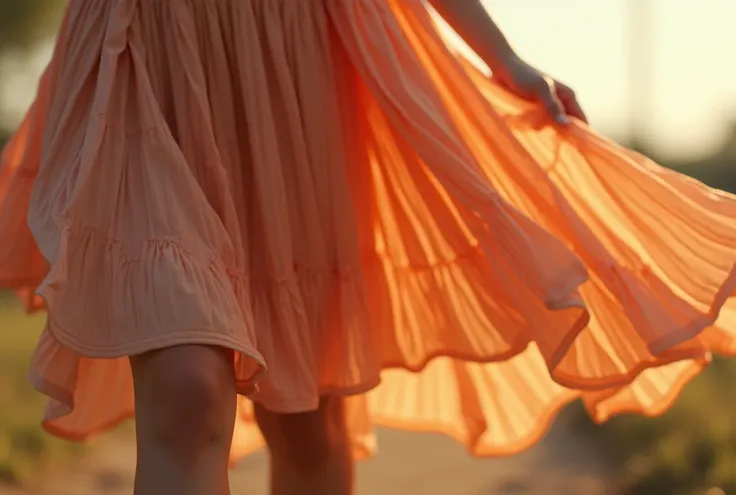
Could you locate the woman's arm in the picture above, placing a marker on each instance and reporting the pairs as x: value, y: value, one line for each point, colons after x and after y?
x: 473, y: 23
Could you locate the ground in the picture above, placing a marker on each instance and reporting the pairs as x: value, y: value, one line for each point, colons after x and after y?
x: 562, y: 464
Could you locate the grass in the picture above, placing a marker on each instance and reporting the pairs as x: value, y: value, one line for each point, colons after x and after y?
x: 24, y: 445
x: 689, y: 450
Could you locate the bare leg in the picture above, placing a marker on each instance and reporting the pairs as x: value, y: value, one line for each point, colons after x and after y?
x: 185, y: 412
x: 310, y: 452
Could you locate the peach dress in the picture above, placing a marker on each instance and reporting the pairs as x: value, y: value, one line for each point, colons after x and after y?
x: 327, y: 188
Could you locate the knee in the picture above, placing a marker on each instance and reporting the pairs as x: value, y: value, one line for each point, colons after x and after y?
x: 187, y: 398
x: 190, y: 403
x: 306, y: 440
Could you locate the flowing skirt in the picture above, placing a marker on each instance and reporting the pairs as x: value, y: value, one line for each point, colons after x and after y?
x: 326, y: 188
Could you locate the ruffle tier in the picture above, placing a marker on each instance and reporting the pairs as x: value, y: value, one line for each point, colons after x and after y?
x: 328, y: 189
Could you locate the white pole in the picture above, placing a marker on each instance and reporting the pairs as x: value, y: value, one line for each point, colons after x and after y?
x: 640, y: 67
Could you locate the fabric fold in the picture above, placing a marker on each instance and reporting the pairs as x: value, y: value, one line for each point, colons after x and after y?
x: 332, y: 191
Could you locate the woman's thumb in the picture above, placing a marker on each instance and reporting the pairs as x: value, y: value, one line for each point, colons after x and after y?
x: 552, y: 104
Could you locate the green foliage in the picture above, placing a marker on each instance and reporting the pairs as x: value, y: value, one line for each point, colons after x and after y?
x: 23, y: 23
x: 717, y: 172
x: 687, y: 451
x: 24, y: 445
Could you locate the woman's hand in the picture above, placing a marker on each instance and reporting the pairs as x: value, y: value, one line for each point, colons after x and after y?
x: 530, y: 84
x: 474, y: 24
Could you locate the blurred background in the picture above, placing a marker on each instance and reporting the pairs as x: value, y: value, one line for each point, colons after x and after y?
x: 656, y: 75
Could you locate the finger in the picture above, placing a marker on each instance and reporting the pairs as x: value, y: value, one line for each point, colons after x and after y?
x: 570, y: 103
x: 547, y: 96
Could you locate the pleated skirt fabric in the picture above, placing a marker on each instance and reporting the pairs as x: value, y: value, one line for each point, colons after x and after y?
x: 328, y: 189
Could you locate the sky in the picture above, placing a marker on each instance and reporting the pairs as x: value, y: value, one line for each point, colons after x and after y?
x: 587, y: 44
x: 689, y: 88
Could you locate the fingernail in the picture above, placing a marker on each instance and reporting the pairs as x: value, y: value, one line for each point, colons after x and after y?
x: 562, y: 119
